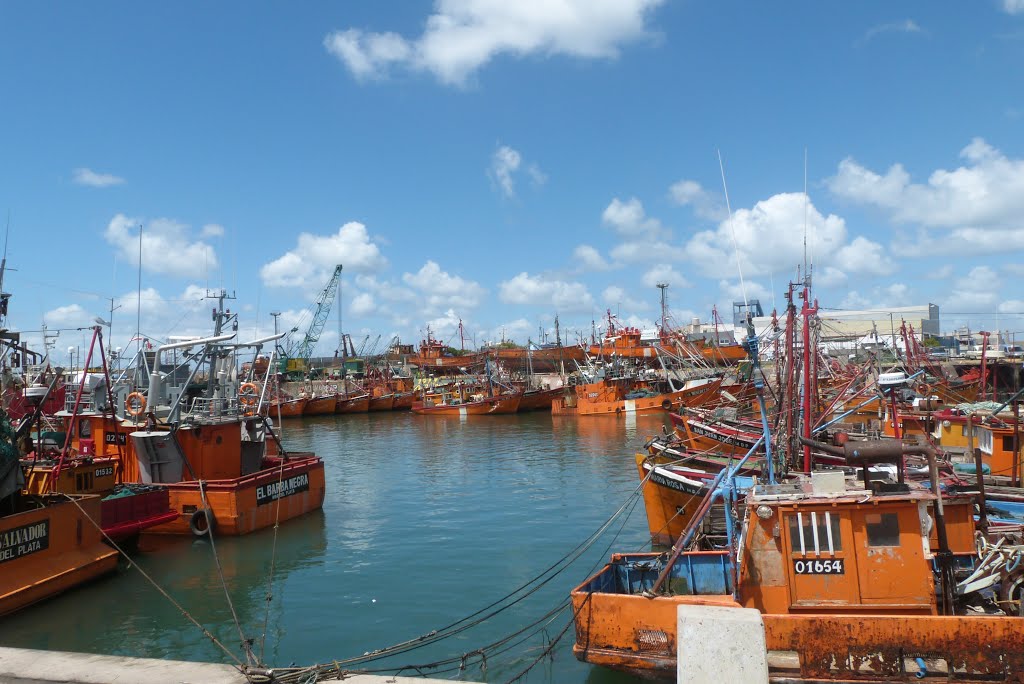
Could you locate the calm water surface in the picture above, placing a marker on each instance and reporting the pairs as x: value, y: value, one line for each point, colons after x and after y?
x: 426, y: 521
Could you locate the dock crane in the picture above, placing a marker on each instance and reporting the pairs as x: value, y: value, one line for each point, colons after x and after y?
x: 298, y: 353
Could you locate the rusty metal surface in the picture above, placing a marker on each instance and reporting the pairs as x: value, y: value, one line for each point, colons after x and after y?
x: 875, y: 648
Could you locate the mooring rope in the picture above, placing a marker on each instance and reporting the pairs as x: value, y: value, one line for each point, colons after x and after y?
x: 273, y: 563
x: 246, y: 643
x: 336, y: 667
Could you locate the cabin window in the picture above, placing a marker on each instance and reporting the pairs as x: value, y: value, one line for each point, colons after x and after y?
x: 883, y: 529
x: 815, y: 532
x: 1008, y: 443
x: 84, y: 429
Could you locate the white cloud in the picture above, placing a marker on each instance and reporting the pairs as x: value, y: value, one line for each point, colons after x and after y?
x: 1013, y: 6
x: 166, y: 246
x: 506, y: 162
x: 537, y: 176
x: 462, y: 36
x: 628, y: 219
x: 690, y: 193
x: 905, y: 26
x: 519, y: 329
x: 362, y: 304
x: 589, y: 259
x: 980, y: 203
x: 211, y: 230
x: 88, y: 177
x: 639, y: 252
x: 70, y: 316
x: 975, y: 292
x: 940, y: 273
x: 664, y: 273
x: 368, y: 55
x: 615, y: 296
x: 878, y: 299
x: 1011, y: 306
x: 442, y: 290
x: 541, y: 291
x: 769, y: 238
x: 388, y: 291
x: 830, y: 276
x: 309, y: 264
x: 735, y: 291
x: 445, y: 326
x: 864, y: 256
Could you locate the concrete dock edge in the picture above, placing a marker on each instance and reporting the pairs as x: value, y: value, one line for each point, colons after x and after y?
x: 27, y: 666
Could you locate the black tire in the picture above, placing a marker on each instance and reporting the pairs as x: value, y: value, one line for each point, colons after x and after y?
x: 667, y: 405
x: 201, y: 522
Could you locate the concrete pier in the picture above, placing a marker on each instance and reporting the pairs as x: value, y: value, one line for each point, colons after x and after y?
x: 25, y: 666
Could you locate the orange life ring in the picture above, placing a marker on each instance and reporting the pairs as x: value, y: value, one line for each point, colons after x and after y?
x: 135, y: 404
x: 248, y: 393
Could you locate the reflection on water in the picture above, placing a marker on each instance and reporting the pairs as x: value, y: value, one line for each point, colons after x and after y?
x: 123, y: 614
x: 427, y: 520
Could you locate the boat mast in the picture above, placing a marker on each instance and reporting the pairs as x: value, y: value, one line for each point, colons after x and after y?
x: 664, y: 317
x: 808, y: 389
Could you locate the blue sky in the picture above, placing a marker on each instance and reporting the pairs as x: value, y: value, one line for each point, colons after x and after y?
x: 503, y: 162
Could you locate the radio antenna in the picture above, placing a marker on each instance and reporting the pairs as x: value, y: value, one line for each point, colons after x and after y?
x: 732, y: 232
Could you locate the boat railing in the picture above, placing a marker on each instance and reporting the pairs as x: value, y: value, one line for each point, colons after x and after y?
x: 215, y: 407
x: 71, y: 391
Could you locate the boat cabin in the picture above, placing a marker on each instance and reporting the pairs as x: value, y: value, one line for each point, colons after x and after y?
x: 816, y: 547
x: 822, y: 548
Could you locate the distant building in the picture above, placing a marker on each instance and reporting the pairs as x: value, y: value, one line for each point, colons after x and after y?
x: 874, y: 327
x: 882, y: 322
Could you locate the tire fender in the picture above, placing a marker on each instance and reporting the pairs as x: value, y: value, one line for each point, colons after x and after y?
x: 202, y: 521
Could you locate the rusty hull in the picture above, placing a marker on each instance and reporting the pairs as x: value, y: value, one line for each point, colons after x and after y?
x: 875, y: 648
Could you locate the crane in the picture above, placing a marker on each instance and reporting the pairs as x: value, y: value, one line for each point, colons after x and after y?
x: 299, y: 352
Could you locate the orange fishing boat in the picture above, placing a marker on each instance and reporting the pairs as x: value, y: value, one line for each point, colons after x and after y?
x: 623, y: 342
x: 383, y: 402
x: 721, y: 354
x: 482, y: 406
x: 539, y: 399
x: 434, y: 357
x: 210, y: 451
x: 619, y: 396
x: 674, y: 482
x: 704, y: 430
x: 876, y: 583
x: 286, y: 407
x: 547, y: 359
x: 71, y: 464
x: 352, y: 404
x: 403, y: 401
x: 48, y: 545
x: 320, y: 405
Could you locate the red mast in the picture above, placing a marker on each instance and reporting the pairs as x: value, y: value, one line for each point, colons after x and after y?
x: 806, y: 312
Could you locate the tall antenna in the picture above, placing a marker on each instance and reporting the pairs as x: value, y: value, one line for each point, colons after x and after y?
x: 664, y: 322
x: 138, y: 300
x: 807, y: 205
x: 732, y: 232
x: 3, y: 264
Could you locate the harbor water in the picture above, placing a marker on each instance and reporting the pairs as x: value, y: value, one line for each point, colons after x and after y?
x: 427, y: 520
